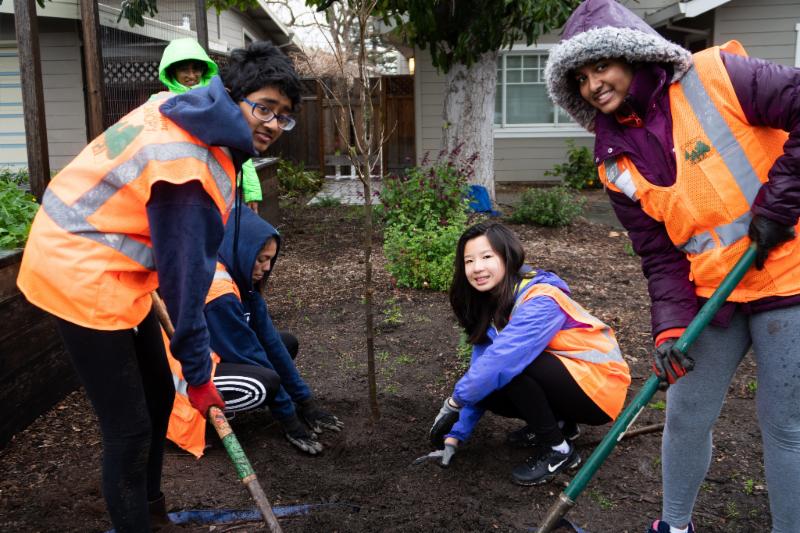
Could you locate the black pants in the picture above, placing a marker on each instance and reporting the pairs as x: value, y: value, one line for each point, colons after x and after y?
x: 245, y: 387
x: 543, y: 394
x: 128, y: 381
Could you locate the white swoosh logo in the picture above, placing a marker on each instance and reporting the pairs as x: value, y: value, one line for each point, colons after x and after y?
x: 552, y: 468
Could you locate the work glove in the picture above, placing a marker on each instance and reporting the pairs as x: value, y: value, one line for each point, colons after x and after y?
x: 443, y: 423
x: 669, y: 363
x: 767, y: 234
x: 300, y: 436
x: 202, y: 397
x: 438, y: 457
x: 317, y: 419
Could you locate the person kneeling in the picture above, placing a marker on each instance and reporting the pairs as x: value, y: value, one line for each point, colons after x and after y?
x: 537, y: 355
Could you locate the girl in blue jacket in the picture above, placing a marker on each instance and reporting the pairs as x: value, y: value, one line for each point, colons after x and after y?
x: 512, y: 316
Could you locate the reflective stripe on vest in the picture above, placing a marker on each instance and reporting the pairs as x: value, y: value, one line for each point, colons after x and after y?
x: 623, y: 180
x: 73, y: 218
x: 732, y: 155
x: 222, y: 275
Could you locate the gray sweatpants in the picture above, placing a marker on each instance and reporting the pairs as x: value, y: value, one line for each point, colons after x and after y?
x: 695, y: 401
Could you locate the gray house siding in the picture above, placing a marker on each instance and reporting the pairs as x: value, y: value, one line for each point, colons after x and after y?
x: 63, y: 86
x: 231, y: 26
x: 63, y: 90
x: 766, y: 28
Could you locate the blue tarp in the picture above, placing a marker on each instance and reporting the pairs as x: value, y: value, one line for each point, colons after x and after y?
x: 480, y: 202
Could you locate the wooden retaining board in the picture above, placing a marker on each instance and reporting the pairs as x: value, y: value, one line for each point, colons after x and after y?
x: 35, y: 371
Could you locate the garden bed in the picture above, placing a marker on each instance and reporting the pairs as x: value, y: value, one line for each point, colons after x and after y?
x: 51, y: 470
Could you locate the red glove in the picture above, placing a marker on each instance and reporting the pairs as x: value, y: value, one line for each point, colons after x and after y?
x: 202, y: 397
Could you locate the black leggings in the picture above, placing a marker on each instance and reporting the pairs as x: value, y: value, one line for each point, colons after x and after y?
x: 128, y: 381
x: 541, y: 395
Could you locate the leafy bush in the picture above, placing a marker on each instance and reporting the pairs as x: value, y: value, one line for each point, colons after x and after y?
x: 580, y: 171
x: 294, y: 180
x: 424, y: 213
x: 17, y: 176
x: 555, y: 206
x: 17, y: 209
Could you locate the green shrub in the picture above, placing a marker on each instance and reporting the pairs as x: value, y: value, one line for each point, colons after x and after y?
x: 294, y: 180
x: 580, y: 171
x: 17, y: 176
x: 555, y: 206
x: 423, y: 258
x: 424, y: 213
x: 17, y: 209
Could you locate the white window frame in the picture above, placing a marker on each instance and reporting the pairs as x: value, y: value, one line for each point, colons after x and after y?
x: 517, y: 131
x: 247, y: 35
x: 797, y: 46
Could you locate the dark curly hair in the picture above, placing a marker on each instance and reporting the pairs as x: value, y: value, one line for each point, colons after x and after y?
x: 260, y: 65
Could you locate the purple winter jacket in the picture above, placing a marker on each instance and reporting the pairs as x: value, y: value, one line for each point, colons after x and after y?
x: 768, y: 93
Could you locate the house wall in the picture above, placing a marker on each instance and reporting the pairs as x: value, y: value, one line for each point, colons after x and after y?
x: 767, y: 29
x: 231, y: 26
x: 62, y: 83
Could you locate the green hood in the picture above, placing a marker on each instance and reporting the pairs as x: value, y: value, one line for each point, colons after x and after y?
x: 181, y: 50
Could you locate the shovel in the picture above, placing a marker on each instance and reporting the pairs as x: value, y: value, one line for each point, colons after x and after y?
x: 567, y: 498
x: 217, y: 418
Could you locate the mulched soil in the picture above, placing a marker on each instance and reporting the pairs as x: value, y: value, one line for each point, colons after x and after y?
x: 51, y: 474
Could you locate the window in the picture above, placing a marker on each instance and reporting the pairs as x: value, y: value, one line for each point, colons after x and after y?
x: 521, y: 99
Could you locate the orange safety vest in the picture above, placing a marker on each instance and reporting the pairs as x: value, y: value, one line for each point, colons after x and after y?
x: 590, y: 354
x: 89, y: 257
x: 722, y: 162
x: 187, y: 426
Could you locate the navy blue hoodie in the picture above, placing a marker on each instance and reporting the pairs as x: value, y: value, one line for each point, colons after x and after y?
x: 242, y: 330
x: 186, y: 227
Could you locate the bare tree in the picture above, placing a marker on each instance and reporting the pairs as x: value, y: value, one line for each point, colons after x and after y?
x: 354, y: 101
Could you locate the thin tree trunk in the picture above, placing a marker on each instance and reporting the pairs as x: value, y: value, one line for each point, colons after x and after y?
x: 469, y: 115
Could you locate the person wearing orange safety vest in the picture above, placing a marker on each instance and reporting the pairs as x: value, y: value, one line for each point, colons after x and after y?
x: 700, y: 157
x: 143, y: 207
x: 537, y: 355
x: 254, y: 360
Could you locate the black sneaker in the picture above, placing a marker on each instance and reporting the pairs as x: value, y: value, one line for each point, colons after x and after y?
x: 524, y: 437
x: 543, y: 466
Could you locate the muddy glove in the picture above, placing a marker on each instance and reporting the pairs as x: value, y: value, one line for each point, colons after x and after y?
x: 448, y: 415
x: 317, y: 419
x: 300, y: 436
x: 669, y: 363
x: 203, y: 397
x: 439, y: 457
x: 767, y: 234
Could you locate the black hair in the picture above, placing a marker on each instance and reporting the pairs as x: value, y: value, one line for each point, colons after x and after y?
x: 476, y: 310
x: 260, y: 65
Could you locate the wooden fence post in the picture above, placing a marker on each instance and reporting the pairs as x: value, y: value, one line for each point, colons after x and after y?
x: 26, y: 26
x: 201, y: 23
x: 93, y: 66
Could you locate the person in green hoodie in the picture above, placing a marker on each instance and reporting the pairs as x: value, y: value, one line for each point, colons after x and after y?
x: 185, y: 66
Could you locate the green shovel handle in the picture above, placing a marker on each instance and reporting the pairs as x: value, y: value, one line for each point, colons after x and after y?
x: 640, y: 401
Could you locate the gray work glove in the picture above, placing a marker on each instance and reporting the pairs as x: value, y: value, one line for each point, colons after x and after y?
x: 300, y: 436
x: 317, y: 419
x: 439, y: 457
x: 443, y: 423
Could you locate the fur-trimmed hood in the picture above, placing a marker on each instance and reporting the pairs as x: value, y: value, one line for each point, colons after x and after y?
x: 600, y: 29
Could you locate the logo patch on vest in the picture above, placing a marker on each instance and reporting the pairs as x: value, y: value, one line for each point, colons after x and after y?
x: 115, y: 139
x: 695, y: 151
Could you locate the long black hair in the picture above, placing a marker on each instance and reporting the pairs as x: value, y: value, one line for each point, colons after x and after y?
x: 476, y: 310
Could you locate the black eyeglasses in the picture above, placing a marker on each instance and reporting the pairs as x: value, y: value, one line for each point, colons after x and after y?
x: 265, y: 114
